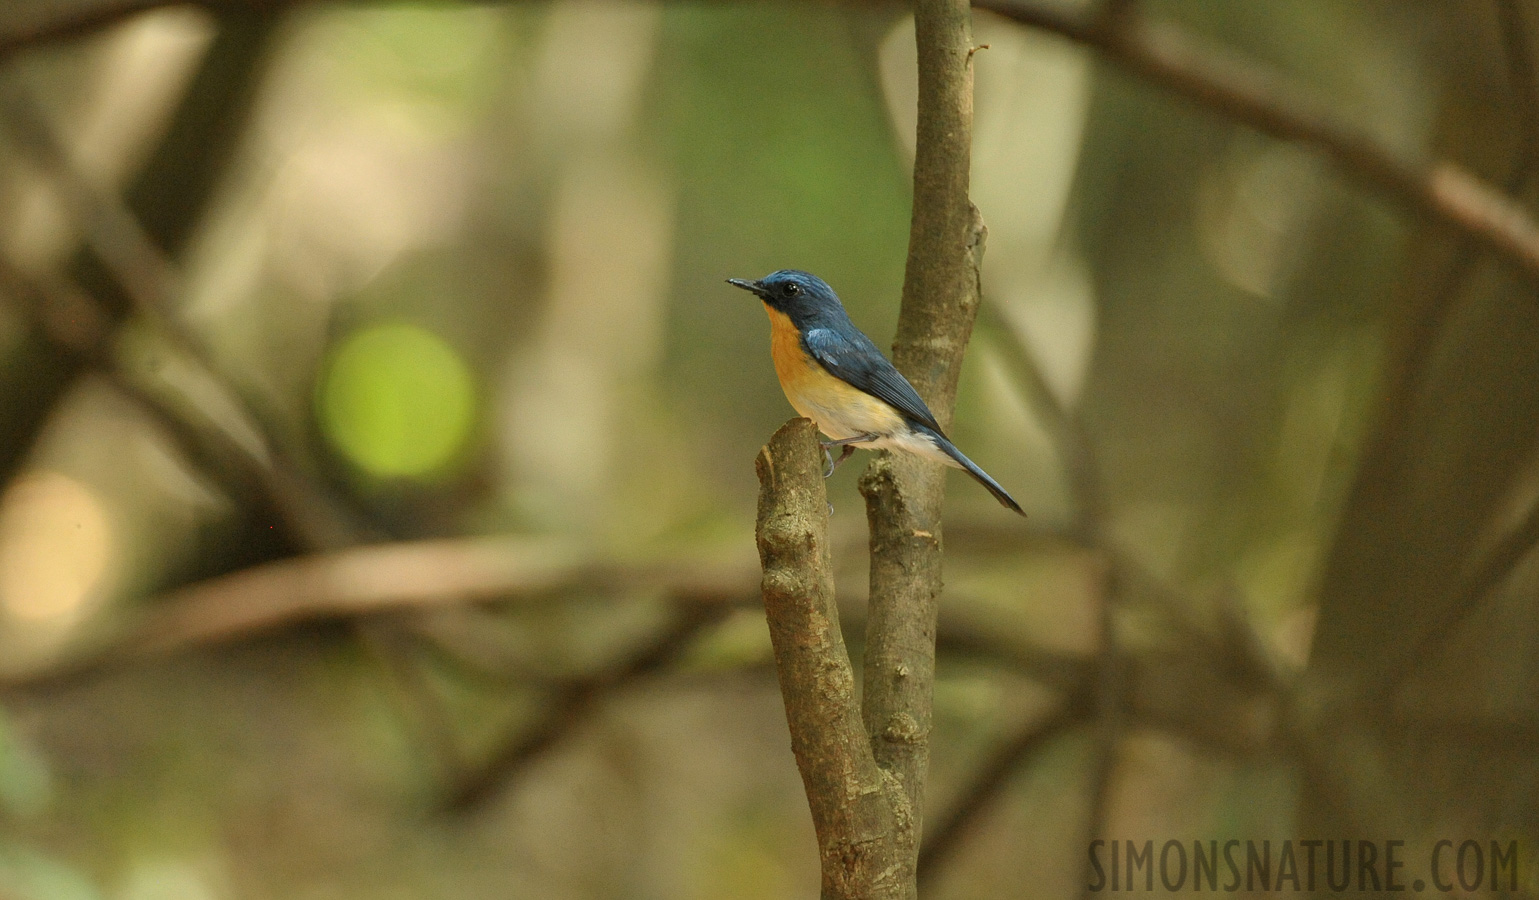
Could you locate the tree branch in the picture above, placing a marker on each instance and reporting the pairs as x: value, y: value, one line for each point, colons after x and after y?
x: 27, y: 25
x: 1162, y: 54
x: 903, y: 493
x: 168, y: 195
x: 153, y: 282
x: 368, y: 582
x: 1246, y: 92
x: 1409, y: 361
x: 1485, y: 576
x: 862, y: 817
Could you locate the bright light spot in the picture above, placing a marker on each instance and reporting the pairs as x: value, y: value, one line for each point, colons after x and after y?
x: 397, y: 400
x: 55, y: 542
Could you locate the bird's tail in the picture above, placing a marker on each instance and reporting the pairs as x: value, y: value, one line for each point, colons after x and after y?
x: 971, y: 468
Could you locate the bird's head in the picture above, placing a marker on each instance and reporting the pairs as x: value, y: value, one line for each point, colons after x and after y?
x: 795, y: 293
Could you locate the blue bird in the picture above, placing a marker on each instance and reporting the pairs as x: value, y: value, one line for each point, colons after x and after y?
x: 834, y: 375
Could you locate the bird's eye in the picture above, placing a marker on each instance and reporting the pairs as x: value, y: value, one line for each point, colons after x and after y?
x: 792, y: 289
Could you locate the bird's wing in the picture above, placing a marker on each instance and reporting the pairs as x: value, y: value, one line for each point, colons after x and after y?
x: 852, y: 358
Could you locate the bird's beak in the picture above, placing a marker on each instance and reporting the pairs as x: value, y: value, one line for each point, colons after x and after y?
x: 745, y: 284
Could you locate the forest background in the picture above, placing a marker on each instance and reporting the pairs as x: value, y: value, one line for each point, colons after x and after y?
x: 377, y: 437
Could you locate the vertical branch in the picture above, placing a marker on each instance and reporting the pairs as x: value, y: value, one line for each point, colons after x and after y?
x: 862, y: 818
x: 903, y: 493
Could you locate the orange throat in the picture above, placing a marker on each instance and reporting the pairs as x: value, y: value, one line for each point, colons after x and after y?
x: 840, y: 409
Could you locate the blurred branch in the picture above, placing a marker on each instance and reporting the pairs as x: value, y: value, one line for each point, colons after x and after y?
x: 1488, y: 574
x: 378, y: 579
x: 408, y: 683
x: 24, y: 25
x: 1110, y: 720
x: 153, y: 284
x: 1123, y: 686
x: 128, y: 261
x: 419, y: 576
x: 1113, y: 8
x: 1076, y: 454
x: 110, y: 229
x: 168, y: 194
x: 1245, y: 91
x: 861, y: 813
x: 576, y: 702
x: 1164, y: 54
x: 76, y: 323
x: 1407, y: 368
x: 382, y: 578
x: 1524, y: 78
x: 1191, y: 697
x: 990, y: 779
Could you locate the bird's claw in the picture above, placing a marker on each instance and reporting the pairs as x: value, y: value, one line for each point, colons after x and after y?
x: 829, y: 463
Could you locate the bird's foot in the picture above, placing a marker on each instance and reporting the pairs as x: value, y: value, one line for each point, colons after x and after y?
x: 847, y: 448
x: 829, y: 463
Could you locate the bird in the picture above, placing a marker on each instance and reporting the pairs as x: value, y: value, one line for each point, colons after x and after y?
x: 834, y: 375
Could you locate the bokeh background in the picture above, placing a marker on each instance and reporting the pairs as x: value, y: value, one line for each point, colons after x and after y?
x: 376, y: 435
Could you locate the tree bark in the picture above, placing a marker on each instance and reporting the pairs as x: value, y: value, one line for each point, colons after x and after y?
x: 903, y: 493
x: 862, y: 817
x: 865, y: 770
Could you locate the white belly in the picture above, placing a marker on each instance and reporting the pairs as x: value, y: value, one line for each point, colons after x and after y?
x: 912, y: 442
